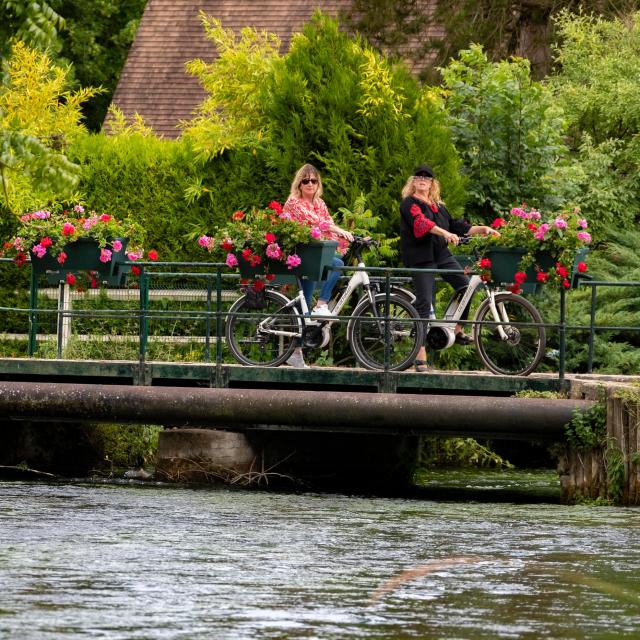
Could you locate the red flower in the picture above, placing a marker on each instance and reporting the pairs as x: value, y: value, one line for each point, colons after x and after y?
x: 7, y: 245
x: 270, y: 277
x: 135, y: 270
x: 514, y: 288
x: 485, y: 277
x: 226, y: 245
x: 105, y: 217
x: 520, y: 277
x: 94, y: 283
x: 532, y: 227
x: 275, y: 206
x: 258, y: 285
x: 62, y: 256
x: 246, y: 254
x: 566, y: 284
x: 70, y: 279
x: 20, y: 259
x: 541, y: 276
x: 582, y: 267
x: 68, y: 229
x: 497, y: 223
x: 485, y: 263
x: 46, y: 241
x: 255, y: 260
x: 561, y: 271
x: 269, y: 237
x: 237, y: 215
x: 152, y: 255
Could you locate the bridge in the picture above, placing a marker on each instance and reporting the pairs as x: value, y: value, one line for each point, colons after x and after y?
x: 130, y: 370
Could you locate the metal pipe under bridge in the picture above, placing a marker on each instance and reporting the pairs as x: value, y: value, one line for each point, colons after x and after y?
x: 292, y: 410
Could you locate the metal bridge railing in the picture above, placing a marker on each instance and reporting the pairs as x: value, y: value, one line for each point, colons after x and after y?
x: 175, y: 311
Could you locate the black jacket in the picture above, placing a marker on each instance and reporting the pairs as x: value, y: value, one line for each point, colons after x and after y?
x: 418, y: 246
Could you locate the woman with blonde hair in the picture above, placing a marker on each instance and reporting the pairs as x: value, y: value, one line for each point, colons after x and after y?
x: 306, y: 206
x: 426, y: 230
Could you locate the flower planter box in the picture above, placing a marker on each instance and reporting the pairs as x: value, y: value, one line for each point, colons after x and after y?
x: 84, y: 255
x: 504, y: 263
x: 315, y: 257
x: 505, y: 260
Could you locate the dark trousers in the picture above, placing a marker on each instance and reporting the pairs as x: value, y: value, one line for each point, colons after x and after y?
x: 423, y: 284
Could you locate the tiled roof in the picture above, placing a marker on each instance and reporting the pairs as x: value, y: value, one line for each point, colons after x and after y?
x: 154, y: 83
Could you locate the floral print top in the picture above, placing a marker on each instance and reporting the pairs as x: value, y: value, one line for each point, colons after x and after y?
x: 317, y: 216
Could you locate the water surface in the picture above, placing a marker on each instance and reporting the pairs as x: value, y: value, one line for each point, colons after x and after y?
x: 133, y: 562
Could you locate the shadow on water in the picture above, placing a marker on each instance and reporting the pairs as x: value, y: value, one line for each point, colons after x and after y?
x: 518, y: 486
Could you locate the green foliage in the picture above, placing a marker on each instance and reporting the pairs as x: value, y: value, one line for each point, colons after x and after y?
x: 614, y: 461
x: 145, y: 178
x: 362, y: 222
x: 598, y: 62
x: 330, y: 100
x: 33, y: 22
x: 506, y: 128
x: 531, y: 393
x: 588, y: 428
x: 365, y: 122
x: 232, y: 115
x: 39, y: 117
x: 459, y: 452
x: 125, y: 445
x: 615, y: 350
x: 96, y: 41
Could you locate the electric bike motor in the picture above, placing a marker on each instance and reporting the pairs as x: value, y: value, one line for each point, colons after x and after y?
x: 440, y: 336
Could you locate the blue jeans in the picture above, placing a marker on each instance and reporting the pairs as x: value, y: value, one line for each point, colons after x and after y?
x: 309, y: 286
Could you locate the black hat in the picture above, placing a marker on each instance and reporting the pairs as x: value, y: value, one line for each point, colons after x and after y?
x: 424, y: 170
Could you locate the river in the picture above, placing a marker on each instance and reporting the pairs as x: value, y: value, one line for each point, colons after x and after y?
x: 132, y: 561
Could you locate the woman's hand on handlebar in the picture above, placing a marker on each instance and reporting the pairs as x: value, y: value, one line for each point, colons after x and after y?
x: 452, y: 238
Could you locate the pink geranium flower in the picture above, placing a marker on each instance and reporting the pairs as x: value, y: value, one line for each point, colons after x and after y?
x: 231, y: 260
x: 274, y: 251
x: 293, y: 261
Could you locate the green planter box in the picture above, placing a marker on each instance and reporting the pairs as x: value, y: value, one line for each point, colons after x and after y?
x: 504, y: 263
x: 505, y: 260
x: 315, y: 257
x: 84, y: 255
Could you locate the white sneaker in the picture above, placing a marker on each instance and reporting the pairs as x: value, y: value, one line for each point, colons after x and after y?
x: 322, y: 310
x: 296, y: 360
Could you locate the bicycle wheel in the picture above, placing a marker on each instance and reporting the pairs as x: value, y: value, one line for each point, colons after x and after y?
x: 520, y: 352
x: 366, y: 333
x: 256, y: 346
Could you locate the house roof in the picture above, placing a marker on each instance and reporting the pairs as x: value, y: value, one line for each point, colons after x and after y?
x: 154, y: 83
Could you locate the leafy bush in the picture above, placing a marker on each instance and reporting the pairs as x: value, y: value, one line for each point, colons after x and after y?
x: 507, y: 129
x: 331, y: 100
x: 598, y: 63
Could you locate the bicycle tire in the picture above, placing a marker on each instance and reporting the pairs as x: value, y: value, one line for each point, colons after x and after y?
x: 524, y: 348
x: 251, y: 347
x: 366, y: 333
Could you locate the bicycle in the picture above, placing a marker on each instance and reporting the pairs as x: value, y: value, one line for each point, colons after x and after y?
x: 507, y: 328
x: 384, y: 330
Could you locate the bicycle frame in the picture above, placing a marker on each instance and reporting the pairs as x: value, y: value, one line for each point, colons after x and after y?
x: 456, y: 306
x: 299, y: 303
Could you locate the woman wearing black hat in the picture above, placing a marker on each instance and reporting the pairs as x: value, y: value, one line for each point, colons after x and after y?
x: 426, y: 230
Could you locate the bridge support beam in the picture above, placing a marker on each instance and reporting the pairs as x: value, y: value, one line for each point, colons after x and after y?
x: 260, y: 409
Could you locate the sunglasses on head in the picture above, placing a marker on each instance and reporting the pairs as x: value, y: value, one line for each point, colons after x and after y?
x: 309, y: 181
x: 422, y: 176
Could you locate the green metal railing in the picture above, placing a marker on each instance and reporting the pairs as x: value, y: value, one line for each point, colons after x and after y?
x: 211, y: 279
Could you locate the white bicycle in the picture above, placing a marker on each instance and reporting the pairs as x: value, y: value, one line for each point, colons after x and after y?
x: 508, y: 331
x: 384, y: 331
